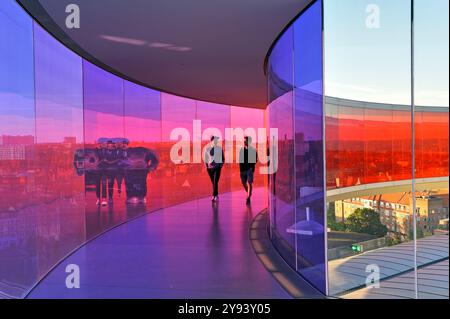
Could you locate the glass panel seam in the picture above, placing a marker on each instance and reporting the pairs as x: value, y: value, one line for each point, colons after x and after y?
x: 413, y: 144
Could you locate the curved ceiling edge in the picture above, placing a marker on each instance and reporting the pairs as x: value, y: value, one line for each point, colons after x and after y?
x: 229, y: 71
x: 286, y: 27
x: 39, y: 14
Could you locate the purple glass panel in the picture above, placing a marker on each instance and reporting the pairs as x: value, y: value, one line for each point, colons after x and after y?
x: 18, y: 238
x: 143, y: 129
x: 59, y: 134
x: 103, y: 119
x: 103, y: 103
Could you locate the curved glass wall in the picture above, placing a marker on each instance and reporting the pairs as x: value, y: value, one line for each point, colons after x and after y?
x: 297, y: 188
x: 56, y: 110
x: 370, y: 147
x: 280, y: 114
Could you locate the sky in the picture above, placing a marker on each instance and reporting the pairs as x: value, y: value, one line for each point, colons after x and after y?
x: 374, y: 64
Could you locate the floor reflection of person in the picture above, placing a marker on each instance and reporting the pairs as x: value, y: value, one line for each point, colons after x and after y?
x: 98, y: 174
x: 111, y: 161
x: 214, y: 159
x: 247, y: 162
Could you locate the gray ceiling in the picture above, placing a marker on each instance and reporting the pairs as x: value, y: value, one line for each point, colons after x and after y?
x: 211, y: 50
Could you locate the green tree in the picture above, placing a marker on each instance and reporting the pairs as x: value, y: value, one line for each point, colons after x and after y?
x: 394, y: 240
x: 419, y: 233
x: 331, y: 217
x: 366, y: 221
x: 332, y: 223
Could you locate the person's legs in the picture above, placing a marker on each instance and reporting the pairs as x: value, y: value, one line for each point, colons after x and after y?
x: 211, y: 174
x: 250, y: 182
x: 130, y: 182
x: 111, y: 178
x: 216, y: 180
x: 247, y: 181
x: 120, y: 177
x: 249, y: 193
x: 142, y: 180
x: 274, y: 181
x: 244, y: 181
x: 136, y: 184
x: 103, y: 179
x: 97, y: 180
x: 128, y: 185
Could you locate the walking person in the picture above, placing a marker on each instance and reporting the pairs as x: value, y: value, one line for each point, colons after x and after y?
x: 214, y: 159
x: 247, y: 162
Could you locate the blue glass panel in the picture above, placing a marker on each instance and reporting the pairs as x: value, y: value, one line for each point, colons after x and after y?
x: 282, y: 190
x: 281, y: 67
x: 309, y: 158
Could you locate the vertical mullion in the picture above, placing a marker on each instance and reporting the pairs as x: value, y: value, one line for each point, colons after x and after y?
x: 324, y: 157
x: 413, y: 144
x: 294, y: 144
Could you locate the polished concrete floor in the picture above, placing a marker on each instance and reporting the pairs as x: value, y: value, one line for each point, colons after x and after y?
x: 191, y: 250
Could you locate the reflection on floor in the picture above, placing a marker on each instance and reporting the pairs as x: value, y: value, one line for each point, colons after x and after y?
x: 191, y: 250
x: 350, y: 273
x: 101, y: 218
x: 34, y: 238
x: 432, y: 284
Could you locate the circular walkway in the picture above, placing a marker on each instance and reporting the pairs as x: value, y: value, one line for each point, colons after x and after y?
x: 192, y: 250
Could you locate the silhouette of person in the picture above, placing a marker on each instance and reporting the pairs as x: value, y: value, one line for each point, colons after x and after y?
x: 122, y: 154
x: 247, y: 162
x: 99, y: 175
x: 109, y: 165
x: 214, y: 159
